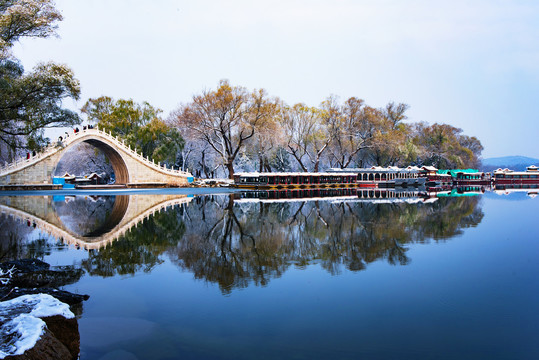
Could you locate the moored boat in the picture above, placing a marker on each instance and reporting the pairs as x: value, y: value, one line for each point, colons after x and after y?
x: 279, y: 180
x: 387, y: 177
x: 472, y: 178
x: 510, y: 177
x: 435, y: 177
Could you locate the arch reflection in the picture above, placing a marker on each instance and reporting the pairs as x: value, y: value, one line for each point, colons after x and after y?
x: 241, y: 239
x: 236, y: 243
x: 91, y: 216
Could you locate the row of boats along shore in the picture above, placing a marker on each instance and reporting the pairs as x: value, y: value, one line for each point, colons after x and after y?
x: 384, y: 185
x: 391, y: 177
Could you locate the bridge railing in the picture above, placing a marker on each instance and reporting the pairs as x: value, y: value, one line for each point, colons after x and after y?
x: 30, y: 159
x: 100, y: 241
x: 151, y: 163
x: 72, y: 137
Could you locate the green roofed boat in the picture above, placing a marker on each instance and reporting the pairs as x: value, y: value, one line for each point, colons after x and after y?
x: 463, y: 177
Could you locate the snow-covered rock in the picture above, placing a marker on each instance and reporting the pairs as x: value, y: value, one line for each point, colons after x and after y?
x: 24, y: 323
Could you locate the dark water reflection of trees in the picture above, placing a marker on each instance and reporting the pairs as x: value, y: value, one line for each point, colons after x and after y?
x: 235, y: 244
x: 140, y: 249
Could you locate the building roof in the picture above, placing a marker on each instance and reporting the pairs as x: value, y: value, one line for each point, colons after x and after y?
x: 94, y: 176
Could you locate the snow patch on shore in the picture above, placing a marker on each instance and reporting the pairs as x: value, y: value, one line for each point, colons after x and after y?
x: 20, y: 323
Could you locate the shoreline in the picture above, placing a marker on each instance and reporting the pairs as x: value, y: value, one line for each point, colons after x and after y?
x: 126, y: 191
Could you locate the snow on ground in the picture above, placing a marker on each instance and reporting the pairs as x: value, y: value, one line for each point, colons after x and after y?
x: 20, y: 323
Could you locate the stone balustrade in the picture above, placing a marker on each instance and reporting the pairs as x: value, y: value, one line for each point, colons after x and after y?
x: 39, y: 168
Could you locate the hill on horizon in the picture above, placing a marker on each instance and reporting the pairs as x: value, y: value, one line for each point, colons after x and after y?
x: 515, y: 162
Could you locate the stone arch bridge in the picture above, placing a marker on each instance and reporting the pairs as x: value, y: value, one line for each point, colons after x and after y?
x: 128, y: 211
x: 130, y: 167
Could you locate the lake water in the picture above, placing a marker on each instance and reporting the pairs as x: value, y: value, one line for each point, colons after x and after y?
x: 249, y: 276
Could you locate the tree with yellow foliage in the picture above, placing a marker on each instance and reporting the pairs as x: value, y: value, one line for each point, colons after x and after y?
x: 226, y: 118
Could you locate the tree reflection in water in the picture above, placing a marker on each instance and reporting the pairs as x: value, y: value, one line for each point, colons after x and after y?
x: 140, y: 249
x: 235, y: 244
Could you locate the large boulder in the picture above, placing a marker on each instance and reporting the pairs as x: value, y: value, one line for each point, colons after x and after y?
x: 48, y: 347
x: 36, y: 321
x: 38, y: 327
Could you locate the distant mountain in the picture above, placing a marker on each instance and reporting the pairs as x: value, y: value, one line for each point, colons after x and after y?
x: 518, y: 163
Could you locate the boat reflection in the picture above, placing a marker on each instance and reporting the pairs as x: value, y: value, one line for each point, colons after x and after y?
x: 334, y: 195
x: 252, y: 237
x: 238, y: 240
x: 532, y: 190
x: 458, y: 191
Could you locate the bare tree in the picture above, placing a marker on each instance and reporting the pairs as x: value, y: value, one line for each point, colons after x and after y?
x: 307, y: 137
x: 225, y: 119
x: 351, y: 127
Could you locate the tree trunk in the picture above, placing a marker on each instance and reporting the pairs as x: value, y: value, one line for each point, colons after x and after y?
x: 267, y: 166
x: 203, y: 163
x: 230, y: 168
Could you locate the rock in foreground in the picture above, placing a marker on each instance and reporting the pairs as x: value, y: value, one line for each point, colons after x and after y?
x: 36, y: 321
x: 38, y: 327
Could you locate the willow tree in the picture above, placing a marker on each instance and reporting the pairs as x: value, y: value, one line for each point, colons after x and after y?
x: 30, y: 102
x: 225, y: 119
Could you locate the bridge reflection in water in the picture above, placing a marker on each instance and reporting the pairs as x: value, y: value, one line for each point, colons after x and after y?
x: 250, y: 237
x: 95, y: 230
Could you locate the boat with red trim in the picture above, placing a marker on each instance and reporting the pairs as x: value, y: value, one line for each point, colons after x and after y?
x: 510, y: 177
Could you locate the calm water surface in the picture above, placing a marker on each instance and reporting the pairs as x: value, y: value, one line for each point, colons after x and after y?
x: 231, y: 277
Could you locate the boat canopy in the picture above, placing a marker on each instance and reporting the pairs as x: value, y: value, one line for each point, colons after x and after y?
x: 454, y: 172
x: 456, y: 193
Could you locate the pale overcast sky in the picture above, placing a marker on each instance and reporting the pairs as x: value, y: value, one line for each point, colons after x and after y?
x: 471, y: 64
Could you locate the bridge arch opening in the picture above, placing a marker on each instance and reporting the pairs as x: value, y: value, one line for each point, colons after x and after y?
x: 90, y: 216
x: 119, y: 168
x: 118, y: 165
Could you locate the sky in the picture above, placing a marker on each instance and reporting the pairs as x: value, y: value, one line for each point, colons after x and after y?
x: 472, y: 64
